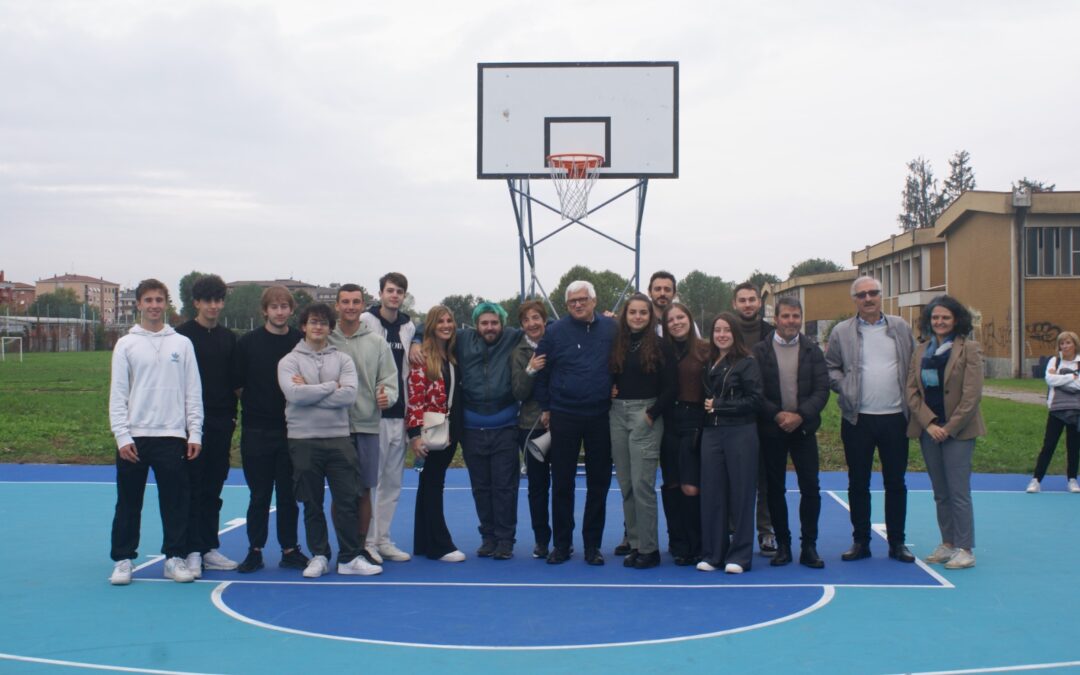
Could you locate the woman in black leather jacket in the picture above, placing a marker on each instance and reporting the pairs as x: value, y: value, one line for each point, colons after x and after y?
x: 729, y: 451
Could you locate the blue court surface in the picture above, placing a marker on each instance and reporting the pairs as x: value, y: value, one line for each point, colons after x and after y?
x: 1019, y: 609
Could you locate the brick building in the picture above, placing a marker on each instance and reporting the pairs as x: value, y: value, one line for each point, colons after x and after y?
x: 94, y: 291
x: 15, y: 296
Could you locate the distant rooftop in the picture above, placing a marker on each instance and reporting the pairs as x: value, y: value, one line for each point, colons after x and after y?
x: 77, y: 279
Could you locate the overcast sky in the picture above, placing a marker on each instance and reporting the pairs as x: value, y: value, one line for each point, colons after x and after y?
x: 332, y: 141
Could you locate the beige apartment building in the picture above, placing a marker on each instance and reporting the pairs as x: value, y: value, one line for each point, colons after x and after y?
x: 94, y: 291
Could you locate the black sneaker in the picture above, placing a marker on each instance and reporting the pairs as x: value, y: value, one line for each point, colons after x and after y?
x: 540, y: 551
x: 294, y: 560
x: 558, y: 556
x: 251, y: 563
x: 504, y: 550
x: 487, y: 549
x: 594, y: 557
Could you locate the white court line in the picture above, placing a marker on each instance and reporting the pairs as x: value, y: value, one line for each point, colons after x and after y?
x: 538, y: 584
x: 879, y: 529
x: 95, y: 666
x: 1003, y: 669
x: 827, y: 595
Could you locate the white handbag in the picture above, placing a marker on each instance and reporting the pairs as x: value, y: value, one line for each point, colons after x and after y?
x: 435, y: 434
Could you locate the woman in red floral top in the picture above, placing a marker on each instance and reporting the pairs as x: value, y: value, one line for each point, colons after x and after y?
x: 428, y: 393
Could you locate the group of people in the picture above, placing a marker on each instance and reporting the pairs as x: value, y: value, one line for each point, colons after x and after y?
x: 340, y: 399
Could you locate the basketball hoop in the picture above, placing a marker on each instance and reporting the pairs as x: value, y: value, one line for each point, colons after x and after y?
x: 574, y: 175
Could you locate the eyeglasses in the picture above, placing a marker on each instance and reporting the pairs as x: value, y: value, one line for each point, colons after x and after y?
x: 318, y: 322
x: 862, y: 295
x: 577, y: 301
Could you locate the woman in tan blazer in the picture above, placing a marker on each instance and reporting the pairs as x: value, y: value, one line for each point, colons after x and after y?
x: 944, y: 387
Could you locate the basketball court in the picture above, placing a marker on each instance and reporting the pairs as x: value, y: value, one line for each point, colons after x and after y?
x: 1015, y: 610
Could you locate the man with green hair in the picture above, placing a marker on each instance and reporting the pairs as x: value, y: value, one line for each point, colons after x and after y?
x: 489, y: 440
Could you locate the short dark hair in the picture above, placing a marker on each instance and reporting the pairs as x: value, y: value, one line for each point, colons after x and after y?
x: 532, y: 306
x: 208, y: 287
x: 320, y: 310
x: 150, y: 285
x: 788, y: 301
x: 276, y: 294
x: 746, y: 286
x: 961, y: 315
x: 396, y: 278
x: 664, y: 274
x: 348, y: 288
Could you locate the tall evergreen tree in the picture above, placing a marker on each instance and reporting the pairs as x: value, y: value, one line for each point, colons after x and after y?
x: 921, y: 201
x: 961, y: 176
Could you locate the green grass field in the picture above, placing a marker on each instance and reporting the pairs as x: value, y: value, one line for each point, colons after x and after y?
x: 54, y: 409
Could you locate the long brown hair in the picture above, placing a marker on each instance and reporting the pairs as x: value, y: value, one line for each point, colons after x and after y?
x: 650, y: 343
x: 738, y: 347
x: 694, y: 344
x: 433, y: 357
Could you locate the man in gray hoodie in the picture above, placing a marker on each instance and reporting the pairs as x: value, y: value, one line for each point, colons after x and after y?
x: 319, y: 384
x: 377, y: 391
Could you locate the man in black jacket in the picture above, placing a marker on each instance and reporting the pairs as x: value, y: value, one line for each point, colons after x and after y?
x: 796, y: 386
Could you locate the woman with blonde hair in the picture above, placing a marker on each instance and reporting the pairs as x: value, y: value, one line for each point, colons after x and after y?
x: 1063, y: 400
x: 432, y: 390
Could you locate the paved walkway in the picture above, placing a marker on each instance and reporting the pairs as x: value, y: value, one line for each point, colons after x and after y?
x: 1014, y: 395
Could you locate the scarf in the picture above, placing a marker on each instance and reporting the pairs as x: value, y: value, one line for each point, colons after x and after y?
x: 934, y: 360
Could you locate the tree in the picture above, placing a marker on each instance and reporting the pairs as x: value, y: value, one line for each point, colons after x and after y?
x: 961, y: 177
x: 243, y: 307
x: 921, y: 201
x: 609, y: 287
x: 461, y: 306
x: 302, y: 299
x: 705, y: 295
x: 814, y: 266
x: 62, y: 303
x: 759, y: 279
x: 1033, y: 185
x: 512, y: 305
x: 187, y: 303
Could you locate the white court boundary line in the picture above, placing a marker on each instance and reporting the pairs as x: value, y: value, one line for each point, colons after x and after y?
x: 826, y: 597
x: 95, y: 666
x: 1002, y: 669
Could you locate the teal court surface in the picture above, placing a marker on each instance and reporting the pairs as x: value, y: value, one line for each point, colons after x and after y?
x: 1017, y: 610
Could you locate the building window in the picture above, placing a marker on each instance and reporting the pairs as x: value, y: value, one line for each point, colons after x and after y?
x: 1052, y: 251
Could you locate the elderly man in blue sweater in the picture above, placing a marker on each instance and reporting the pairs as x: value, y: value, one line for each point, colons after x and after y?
x: 574, y: 391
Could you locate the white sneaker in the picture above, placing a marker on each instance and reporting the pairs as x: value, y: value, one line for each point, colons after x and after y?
x: 963, y: 559
x: 372, y: 551
x: 941, y: 554
x: 358, y: 566
x: 453, y: 556
x: 390, y: 552
x: 1073, y: 485
x: 213, y: 560
x: 121, y: 573
x: 193, y: 562
x: 176, y: 570
x: 705, y: 567
x: 733, y: 568
x: 1033, y: 486
x: 316, y: 567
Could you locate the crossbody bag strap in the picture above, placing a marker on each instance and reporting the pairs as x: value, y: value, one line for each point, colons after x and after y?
x: 450, y: 394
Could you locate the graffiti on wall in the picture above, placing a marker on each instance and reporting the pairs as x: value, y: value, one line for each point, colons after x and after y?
x: 996, y: 336
x: 1043, y: 331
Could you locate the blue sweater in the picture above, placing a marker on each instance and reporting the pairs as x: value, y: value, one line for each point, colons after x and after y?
x: 576, y: 378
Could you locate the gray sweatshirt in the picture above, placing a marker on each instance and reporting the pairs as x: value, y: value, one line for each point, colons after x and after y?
x: 319, y: 408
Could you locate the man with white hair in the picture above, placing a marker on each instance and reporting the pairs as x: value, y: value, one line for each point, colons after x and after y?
x: 574, y: 393
x: 868, y: 359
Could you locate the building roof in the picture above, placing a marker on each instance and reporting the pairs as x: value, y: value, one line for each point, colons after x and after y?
x: 980, y: 201
x: 77, y: 279
x: 814, y: 279
x: 896, y: 243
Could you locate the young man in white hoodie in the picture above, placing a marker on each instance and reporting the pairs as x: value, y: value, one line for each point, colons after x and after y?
x: 156, y: 414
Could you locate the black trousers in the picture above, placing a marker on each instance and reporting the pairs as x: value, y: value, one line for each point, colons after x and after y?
x: 491, y: 456
x: 776, y: 445
x: 267, y: 467
x: 680, y: 464
x: 539, y: 477
x: 317, y: 461
x: 431, y: 537
x: 167, y: 457
x: 888, y: 433
x: 207, y: 474
x: 1054, y: 427
x: 568, y: 433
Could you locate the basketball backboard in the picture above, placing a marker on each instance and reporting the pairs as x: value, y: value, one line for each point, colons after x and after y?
x: 628, y: 112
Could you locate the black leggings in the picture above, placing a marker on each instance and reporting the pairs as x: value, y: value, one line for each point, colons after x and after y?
x: 1054, y: 426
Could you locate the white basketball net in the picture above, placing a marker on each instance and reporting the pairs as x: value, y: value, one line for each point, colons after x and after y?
x: 574, y: 175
